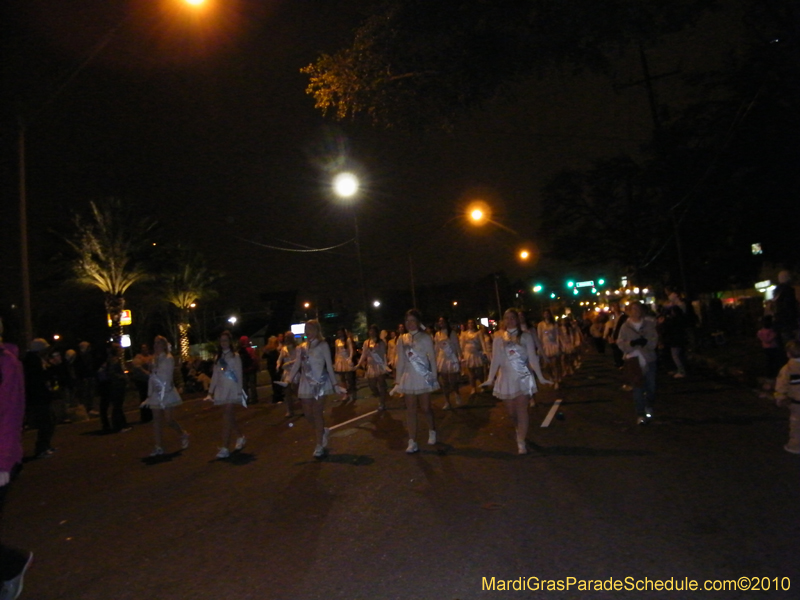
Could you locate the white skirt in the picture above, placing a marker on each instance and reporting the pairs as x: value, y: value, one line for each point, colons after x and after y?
x: 508, y: 388
x: 412, y: 383
x: 171, y: 398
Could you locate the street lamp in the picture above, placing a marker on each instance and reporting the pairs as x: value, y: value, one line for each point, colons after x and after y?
x: 376, y: 304
x: 524, y: 254
x: 345, y: 186
x: 232, y: 320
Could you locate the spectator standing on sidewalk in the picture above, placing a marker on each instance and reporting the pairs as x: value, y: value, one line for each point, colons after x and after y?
x: 13, y: 561
x: 787, y: 393
x: 773, y: 354
x: 784, y: 301
x: 638, y: 341
x: 39, y: 397
x: 86, y: 375
x: 270, y: 358
x: 117, y: 386
x: 615, y: 320
x: 674, y: 328
x: 141, y: 365
x: 250, y: 368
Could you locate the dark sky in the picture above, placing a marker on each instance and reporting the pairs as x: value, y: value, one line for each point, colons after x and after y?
x: 202, y: 121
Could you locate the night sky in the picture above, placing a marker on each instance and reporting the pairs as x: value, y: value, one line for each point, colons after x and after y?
x: 202, y: 121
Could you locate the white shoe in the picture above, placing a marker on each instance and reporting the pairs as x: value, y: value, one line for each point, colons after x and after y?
x: 240, y: 442
x: 431, y: 438
x: 185, y: 440
x: 223, y: 453
x: 412, y: 447
x: 642, y: 421
x: 157, y: 451
x: 522, y: 447
x: 326, y: 434
x: 446, y: 406
x: 788, y: 448
x: 12, y: 588
x: 319, y: 451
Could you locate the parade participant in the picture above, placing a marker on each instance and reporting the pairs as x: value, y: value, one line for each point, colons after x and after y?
x: 141, y: 365
x: 416, y: 376
x: 473, y: 351
x: 514, y: 363
x: 448, y: 360
x: 343, y: 363
x: 13, y: 562
x: 226, y: 391
x: 566, y: 346
x: 317, y: 377
x: 551, y: 349
x: 373, y: 360
x: 162, y: 397
x: 286, y: 358
x: 638, y: 341
x: 615, y: 321
x: 787, y: 393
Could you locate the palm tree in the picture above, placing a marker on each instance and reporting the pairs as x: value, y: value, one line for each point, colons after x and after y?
x: 190, y: 281
x: 111, y: 247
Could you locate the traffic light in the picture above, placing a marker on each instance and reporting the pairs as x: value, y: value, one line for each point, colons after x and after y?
x: 570, y: 284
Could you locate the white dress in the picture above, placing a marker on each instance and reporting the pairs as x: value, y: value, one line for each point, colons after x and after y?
x: 472, y: 348
x: 313, y: 364
x: 374, y: 359
x: 226, y: 382
x: 448, y: 352
x: 286, y: 359
x: 161, y: 392
x: 391, y: 352
x: 548, y: 335
x: 514, y: 362
x: 416, y: 364
x: 565, y: 339
x: 344, y: 356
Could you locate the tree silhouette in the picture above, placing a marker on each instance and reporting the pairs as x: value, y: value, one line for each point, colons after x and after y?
x: 111, y: 247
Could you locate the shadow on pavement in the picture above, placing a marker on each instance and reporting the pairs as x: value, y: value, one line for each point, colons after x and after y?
x: 583, y: 451
x: 237, y: 459
x: 356, y: 460
x: 163, y: 458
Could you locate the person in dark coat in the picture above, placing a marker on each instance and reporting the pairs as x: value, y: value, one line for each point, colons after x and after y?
x: 39, y: 397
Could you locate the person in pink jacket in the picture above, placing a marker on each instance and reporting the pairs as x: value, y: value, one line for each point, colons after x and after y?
x: 13, y: 562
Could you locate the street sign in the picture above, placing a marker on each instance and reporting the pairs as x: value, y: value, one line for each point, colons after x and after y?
x: 125, y: 318
x: 581, y: 284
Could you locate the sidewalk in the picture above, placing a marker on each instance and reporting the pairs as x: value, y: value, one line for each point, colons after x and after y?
x: 739, y: 358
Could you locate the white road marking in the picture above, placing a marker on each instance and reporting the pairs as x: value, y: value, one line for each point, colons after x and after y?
x: 353, y: 419
x: 552, y: 413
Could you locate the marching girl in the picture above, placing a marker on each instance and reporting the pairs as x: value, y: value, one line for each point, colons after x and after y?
x: 373, y: 359
x: 343, y: 364
x: 473, y: 349
x: 548, y: 336
x: 162, y: 396
x: 286, y: 358
x: 448, y: 360
x: 226, y: 391
x: 416, y: 376
x: 514, y: 363
x: 313, y: 366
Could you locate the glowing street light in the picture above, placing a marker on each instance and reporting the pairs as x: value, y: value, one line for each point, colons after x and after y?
x: 195, y: 2
x: 345, y: 185
x: 376, y: 303
x: 537, y: 288
x: 306, y: 304
x: 232, y: 320
x: 524, y: 254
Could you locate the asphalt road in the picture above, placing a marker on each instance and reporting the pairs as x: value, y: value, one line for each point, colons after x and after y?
x: 705, y: 492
